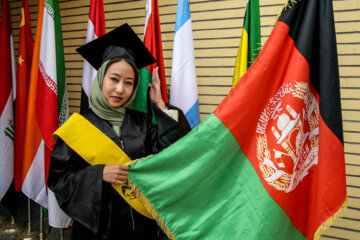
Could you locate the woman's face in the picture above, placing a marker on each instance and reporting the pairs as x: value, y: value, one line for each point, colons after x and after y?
x: 118, y: 83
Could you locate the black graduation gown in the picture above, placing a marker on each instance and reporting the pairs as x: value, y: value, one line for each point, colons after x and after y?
x: 98, y: 211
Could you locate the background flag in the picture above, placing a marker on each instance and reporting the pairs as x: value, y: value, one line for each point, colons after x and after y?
x: 6, y: 100
x: 275, y: 166
x: 25, y: 52
x: 152, y: 40
x: 250, y: 42
x: 96, y: 28
x: 183, y: 93
x: 47, y: 107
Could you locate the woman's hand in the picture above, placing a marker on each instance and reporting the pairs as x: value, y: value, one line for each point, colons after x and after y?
x: 116, y: 174
x: 155, y: 91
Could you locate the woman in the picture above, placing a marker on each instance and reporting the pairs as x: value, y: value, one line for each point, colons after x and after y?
x: 84, y: 192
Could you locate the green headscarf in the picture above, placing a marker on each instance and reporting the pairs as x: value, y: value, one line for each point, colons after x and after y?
x: 101, y: 107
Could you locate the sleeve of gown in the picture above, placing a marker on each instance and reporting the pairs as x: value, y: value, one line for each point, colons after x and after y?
x: 78, y: 187
x: 174, y: 114
x: 167, y: 130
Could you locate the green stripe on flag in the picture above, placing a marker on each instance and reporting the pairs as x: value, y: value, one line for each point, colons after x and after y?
x: 60, y: 64
x: 204, y: 187
x: 252, y: 26
x: 140, y: 102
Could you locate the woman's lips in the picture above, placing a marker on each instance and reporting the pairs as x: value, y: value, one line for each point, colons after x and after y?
x: 116, y: 98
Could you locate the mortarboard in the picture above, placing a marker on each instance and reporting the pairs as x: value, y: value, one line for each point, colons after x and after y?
x: 120, y: 42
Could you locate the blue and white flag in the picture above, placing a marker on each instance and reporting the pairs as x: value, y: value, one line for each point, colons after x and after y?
x: 183, y: 92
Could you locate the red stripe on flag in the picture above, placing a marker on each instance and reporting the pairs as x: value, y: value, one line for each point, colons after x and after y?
x: 152, y: 41
x: 275, y: 56
x: 5, y: 55
x: 97, y: 17
x: 295, y: 164
x: 47, y: 106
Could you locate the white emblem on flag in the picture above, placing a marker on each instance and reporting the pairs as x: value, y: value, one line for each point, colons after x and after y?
x: 288, y: 136
x: 48, y: 81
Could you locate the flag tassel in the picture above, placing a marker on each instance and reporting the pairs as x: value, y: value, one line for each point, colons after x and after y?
x: 330, y: 221
x: 145, y: 202
x: 290, y: 3
x: 287, y: 4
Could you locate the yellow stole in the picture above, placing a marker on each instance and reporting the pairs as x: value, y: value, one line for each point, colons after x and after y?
x: 96, y: 148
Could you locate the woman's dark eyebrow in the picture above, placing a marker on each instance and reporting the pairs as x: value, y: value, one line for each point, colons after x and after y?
x: 118, y: 75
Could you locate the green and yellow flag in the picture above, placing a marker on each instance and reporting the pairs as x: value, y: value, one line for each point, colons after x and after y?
x: 250, y: 41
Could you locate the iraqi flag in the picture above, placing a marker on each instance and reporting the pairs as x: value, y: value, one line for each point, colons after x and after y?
x: 7, y: 77
x: 152, y: 40
x: 268, y: 163
x: 96, y: 28
x: 47, y: 108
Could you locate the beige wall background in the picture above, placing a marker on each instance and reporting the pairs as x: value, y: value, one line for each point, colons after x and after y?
x: 217, y: 26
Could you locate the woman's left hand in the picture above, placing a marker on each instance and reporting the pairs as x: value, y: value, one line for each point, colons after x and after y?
x: 155, y: 91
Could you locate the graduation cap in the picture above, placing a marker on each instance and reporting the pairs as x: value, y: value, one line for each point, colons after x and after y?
x: 120, y: 42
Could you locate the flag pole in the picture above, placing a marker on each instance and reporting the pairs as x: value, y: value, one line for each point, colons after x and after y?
x: 29, y: 215
x: 61, y: 234
x: 41, y: 235
x: 29, y: 234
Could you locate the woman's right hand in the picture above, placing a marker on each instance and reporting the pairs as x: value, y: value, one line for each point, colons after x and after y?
x: 155, y: 90
x: 117, y: 174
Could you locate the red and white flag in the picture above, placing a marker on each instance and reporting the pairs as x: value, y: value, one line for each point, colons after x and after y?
x: 96, y: 28
x: 47, y: 108
x: 7, y: 78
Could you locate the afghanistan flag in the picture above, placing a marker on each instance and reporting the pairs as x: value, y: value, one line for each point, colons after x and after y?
x: 268, y: 163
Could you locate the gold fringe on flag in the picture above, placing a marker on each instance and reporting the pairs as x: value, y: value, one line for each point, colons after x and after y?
x: 330, y: 221
x: 290, y: 3
x: 287, y: 4
x: 145, y: 202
